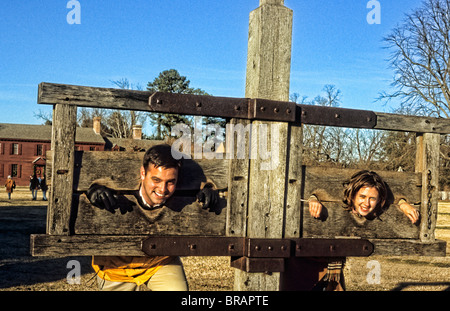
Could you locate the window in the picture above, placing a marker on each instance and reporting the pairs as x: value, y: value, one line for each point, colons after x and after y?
x: 14, y: 170
x: 15, y: 149
x: 39, y: 149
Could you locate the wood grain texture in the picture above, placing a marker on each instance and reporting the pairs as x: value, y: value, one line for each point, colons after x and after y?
x: 63, y: 144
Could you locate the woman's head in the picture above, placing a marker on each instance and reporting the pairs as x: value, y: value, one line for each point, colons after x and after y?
x: 366, y: 193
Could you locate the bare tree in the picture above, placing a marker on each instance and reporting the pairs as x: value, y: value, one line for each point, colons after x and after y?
x: 421, y: 60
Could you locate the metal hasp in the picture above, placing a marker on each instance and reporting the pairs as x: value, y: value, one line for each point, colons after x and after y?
x: 256, y: 255
x: 225, y: 107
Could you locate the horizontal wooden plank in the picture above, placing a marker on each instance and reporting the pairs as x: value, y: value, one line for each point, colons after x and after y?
x: 121, y: 170
x: 86, y: 245
x: 397, y: 122
x: 180, y: 216
x: 51, y: 93
x: 92, y: 245
x: 96, y: 97
x: 339, y: 222
x: 399, y: 247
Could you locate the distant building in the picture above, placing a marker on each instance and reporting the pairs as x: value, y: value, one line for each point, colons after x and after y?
x: 23, y: 147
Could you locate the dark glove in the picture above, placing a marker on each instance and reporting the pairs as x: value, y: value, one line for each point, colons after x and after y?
x: 208, y: 197
x: 102, y: 197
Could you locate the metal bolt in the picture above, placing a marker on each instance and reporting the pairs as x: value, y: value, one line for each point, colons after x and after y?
x: 192, y: 246
x: 257, y: 247
x: 337, y: 115
x: 288, y: 111
x: 276, y: 110
x: 159, y: 102
x: 262, y: 108
x: 237, y: 108
x: 198, y: 104
x: 270, y: 248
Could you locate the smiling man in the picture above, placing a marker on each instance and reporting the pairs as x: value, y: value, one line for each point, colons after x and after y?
x: 158, y: 175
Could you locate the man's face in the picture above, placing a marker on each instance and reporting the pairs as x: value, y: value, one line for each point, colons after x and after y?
x: 158, y: 183
x: 365, y: 201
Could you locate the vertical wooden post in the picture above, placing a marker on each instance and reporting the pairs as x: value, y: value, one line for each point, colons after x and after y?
x: 63, y: 146
x: 427, y: 162
x: 268, y: 75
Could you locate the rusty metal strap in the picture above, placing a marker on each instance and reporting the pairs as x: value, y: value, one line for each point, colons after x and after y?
x: 333, y: 116
x: 225, y: 107
x: 255, y: 248
x: 333, y: 248
x: 260, y: 109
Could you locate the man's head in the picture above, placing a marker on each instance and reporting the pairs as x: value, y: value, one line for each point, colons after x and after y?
x: 366, y: 193
x: 159, y: 174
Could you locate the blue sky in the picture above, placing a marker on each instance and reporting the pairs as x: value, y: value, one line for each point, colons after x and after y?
x: 205, y: 40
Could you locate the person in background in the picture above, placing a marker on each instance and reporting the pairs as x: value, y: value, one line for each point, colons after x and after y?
x: 10, y: 186
x: 44, y: 188
x: 34, y: 186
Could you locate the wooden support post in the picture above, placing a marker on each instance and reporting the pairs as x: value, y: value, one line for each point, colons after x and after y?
x: 63, y: 146
x: 427, y: 162
x: 268, y: 74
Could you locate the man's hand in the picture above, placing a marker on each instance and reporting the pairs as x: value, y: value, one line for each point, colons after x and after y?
x: 209, y: 197
x: 102, y: 197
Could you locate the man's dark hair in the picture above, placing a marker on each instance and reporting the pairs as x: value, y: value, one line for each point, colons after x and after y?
x: 160, y: 155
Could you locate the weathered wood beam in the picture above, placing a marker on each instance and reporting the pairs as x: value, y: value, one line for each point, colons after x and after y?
x: 109, y: 98
x: 267, y: 77
x: 427, y: 162
x: 110, y: 245
x: 63, y: 144
x: 121, y: 170
x: 95, y: 97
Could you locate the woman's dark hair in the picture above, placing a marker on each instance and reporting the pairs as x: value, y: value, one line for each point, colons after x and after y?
x: 366, y: 179
x: 160, y: 155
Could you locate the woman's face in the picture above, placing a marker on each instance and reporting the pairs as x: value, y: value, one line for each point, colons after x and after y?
x: 365, y: 201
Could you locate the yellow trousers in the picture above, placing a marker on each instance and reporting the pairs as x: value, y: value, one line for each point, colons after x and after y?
x: 170, y: 277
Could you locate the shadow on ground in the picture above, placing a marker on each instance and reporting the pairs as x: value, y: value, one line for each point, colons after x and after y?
x: 17, y: 267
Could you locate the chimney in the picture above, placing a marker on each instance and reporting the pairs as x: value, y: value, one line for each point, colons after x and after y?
x: 137, y: 132
x: 97, y: 125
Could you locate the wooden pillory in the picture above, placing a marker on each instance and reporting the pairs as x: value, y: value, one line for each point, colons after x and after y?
x: 262, y: 220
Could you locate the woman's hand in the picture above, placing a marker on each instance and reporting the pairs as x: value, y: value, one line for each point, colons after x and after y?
x: 409, y: 211
x: 315, y: 208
